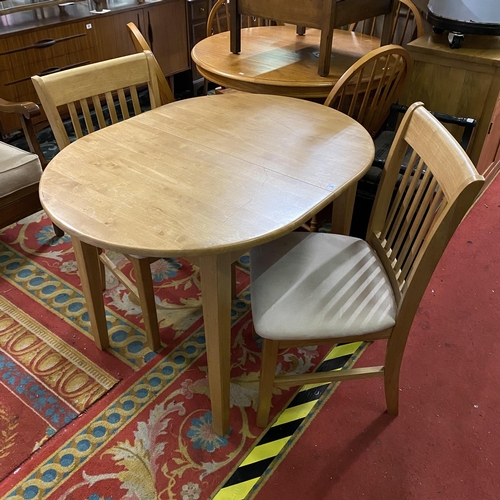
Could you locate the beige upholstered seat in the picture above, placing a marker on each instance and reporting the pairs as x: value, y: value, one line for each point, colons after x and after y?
x: 348, y: 289
x: 315, y: 288
x: 18, y: 169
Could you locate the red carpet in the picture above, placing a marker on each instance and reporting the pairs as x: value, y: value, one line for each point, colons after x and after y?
x: 445, y: 442
x: 149, y: 436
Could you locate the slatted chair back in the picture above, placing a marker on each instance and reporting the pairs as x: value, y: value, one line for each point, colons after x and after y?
x: 367, y: 89
x: 414, y: 217
x: 340, y: 289
x: 407, y: 24
x: 82, y: 91
x: 140, y: 44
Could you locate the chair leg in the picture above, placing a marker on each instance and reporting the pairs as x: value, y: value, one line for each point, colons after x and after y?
x: 102, y: 271
x: 59, y: 232
x: 267, y: 370
x: 145, y: 291
x: 313, y: 226
x: 234, y: 295
x: 392, y: 368
x: 205, y: 86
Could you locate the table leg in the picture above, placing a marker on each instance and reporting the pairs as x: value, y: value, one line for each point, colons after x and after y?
x: 343, y: 207
x: 87, y: 259
x: 216, y: 297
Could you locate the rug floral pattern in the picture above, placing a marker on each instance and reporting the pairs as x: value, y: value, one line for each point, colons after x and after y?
x: 151, y: 436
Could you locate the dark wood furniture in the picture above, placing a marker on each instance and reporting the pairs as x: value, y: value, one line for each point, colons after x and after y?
x: 23, y: 201
x: 48, y: 40
x: 324, y: 15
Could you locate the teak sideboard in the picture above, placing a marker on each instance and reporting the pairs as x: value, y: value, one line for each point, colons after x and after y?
x: 51, y: 39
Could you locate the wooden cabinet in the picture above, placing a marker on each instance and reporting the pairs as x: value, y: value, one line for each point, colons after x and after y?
x: 164, y: 26
x: 78, y: 37
x: 489, y: 161
x: 462, y: 82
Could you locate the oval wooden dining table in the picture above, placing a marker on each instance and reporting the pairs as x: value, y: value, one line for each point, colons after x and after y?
x: 275, y: 60
x: 205, y: 178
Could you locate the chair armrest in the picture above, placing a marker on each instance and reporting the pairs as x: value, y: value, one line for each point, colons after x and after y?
x: 27, y: 109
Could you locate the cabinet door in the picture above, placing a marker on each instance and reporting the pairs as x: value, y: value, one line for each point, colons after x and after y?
x: 113, y: 39
x: 490, y: 154
x: 165, y: 28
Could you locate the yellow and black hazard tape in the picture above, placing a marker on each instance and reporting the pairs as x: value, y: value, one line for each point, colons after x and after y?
x: 282, y: 430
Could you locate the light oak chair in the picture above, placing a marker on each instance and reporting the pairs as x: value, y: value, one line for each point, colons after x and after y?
x: 407, y: 24
x: 140, y: 44
x: 365, y: 92
x: 81, y: 92
x: 20, y: 171
x: 320, y: 288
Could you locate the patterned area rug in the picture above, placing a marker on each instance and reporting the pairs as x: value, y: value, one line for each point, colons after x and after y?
x: 149, y: 436
x: 44, y: 384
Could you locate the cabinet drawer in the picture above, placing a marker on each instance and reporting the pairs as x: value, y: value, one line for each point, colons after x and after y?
x: 198, y: 10
x: 20, y: 82
x: 41, y: 45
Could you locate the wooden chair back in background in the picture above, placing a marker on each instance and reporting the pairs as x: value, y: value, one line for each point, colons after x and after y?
x: 408, y: 24
x: 365, y: 92
x: 140, y: 44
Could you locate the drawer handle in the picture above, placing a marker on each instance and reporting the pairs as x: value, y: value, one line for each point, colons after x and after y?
x: 42, y: 44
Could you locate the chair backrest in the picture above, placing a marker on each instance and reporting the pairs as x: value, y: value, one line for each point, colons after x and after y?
x: 408, y: 24
x: 413, y: 218
x: 140, y: 44
x: 367, y: 89
x: 219, y: 16
x: 82, y: 91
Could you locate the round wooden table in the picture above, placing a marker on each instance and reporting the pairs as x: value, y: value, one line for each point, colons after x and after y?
x: 275, y: 60
x: 205, y: 178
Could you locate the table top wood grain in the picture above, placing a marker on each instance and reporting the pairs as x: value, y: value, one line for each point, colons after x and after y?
x: 275, y: 60
x: 207, y: 178
x: 206, y: 175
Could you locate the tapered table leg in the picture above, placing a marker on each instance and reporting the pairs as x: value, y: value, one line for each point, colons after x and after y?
x: 216, y: 296
x: 87, y: 259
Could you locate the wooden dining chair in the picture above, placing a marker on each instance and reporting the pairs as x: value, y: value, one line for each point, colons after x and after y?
x: 365, y: 92
x: 20, y: 170
x: 407, y: 25
x: 140, y: 44
x: 87, y: 95
x: 322, y: 288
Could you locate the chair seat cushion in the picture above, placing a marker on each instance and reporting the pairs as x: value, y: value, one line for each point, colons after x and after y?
x: 318, y: 286
x: 18, y: 169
